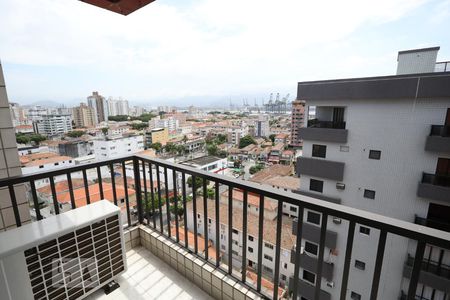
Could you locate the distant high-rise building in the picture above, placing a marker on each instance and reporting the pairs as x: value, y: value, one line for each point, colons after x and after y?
x: 84, y: 116
x: 98, y: 103
x: 262, y: 127
x: 118, y: 107
x: 298, y: 119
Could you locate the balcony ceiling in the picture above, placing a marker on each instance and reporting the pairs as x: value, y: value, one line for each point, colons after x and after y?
x: 124, y: 7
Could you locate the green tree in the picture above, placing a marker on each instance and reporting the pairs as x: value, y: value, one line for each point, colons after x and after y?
x: 105, y: 130
x: 37, y: 138
x: 152, y: 205
x: 181, y: 149
x: 221, y: 138
x: 171, y: 148
x: 198, y: 182
x: 75, y: 133
x: 118, y: 118
x: 256, y: 168
x: 139, y: 126
x: 222, y: 153
x: 156, y: 146
x: 246, y: 140
x: 212, y: 149
x: 272, y: 138
x: 22, y: 138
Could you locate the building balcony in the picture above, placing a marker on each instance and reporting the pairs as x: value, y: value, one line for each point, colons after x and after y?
x: 439, y: 139
x: 435, y: 187
x: 432, y: 274
x: 324, y: 131
x: 149, y: 196
x: 309, y: 262
x: 321, y: 168
x: 432, y: 223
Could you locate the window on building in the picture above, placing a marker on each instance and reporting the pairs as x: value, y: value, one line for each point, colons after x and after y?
x: 293, y: 208
x: 360, y: 265
x: 223, y: 247
x: 374, y: 154
x: 41, y: 166
x: 283, y: 277
x: 319, y: 150
x: 313, y: 218
x: 235, y: 253
x: 268, y: 257
x: 308, y: 276
x: 285, y: 265
x: 369, y: 194
x: 209, y: 220
x: 250, y: 238
x: 364, y: 230
x: 235, y: 231
x: 267, y: 270
x: 311, y: 248
x: 344, y: 148
x: 316, y: 185
x: 355, y: 296
x: 250, y: 249
x: 267, y: 245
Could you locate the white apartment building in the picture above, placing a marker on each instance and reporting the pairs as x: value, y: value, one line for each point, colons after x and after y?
x: 118, y: 146
x: 262, y: 128
x: 117, y: 107
x: 381, y: 144
x: 171, y: 123
x: 235, y: 133
x: 53, y: 125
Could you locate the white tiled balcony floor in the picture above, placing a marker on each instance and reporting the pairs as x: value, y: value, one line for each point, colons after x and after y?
x: 148, y: 277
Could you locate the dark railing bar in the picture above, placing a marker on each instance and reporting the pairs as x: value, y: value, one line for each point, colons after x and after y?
x: 395, y: 226
x: 35, y: 200
x: 260, y: 241
x: 125, y: 185
x: 418, y: 258
x: 72, y: 196
x: 183, y: 191
x: 55, y: 199
x: 217, y: 203
x: 323, y: 235
x: 113, y: 183
x: 244, y: 236
x: 147, y: 208
x: 194, y: 212
x: 205, y: 217
x: 166, y: 185
x: 100, y: 183
x: 12, y: 195
x: 138, y: 189
x: 348, y: 258
x: 158, y: 182
x: 298, y: 245
x: 86, y: 187
x: 230, y: 229
x: 152, y: 194
x: 175, y: 195
x: 276, y: 278
x: 378, y: 265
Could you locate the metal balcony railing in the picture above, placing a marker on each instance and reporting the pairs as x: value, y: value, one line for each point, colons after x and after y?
x: 315, y: 123
x: 437, y: 224
x: 431, y: 266
x: 158, y: 215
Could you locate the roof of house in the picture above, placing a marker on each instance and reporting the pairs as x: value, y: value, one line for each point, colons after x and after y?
x: 252, y: 199
x: 270, y: 226
x: 50, y: 160
x: 281, y: 136
x: 286, y: 182
x: 267, y: 173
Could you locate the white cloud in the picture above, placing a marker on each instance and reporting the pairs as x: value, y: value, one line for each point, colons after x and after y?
x: 209, y: 47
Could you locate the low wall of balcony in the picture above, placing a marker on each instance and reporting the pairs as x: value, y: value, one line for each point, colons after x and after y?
x: 320, y: 168
x: 310, y: 263
x: 331, y: 135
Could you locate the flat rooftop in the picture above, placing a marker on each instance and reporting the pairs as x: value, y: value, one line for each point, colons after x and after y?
x: 201, y: 161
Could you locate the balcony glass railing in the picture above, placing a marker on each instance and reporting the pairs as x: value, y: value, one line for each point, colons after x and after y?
x: 436, y: 179
x: 315, y: 123
x: 178, y: 201
x: 440, y: 130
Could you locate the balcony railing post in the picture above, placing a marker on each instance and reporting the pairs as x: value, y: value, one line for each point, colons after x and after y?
x: 137, y: 187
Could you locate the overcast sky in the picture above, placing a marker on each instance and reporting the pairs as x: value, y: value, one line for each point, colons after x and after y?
x: 206, y: 51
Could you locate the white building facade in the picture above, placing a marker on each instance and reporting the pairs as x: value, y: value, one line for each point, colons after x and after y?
x: 119, y: 146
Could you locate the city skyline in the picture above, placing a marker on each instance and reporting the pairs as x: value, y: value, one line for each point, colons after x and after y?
x: 205, y: 52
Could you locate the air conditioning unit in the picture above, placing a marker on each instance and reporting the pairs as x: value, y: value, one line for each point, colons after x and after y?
x: 340, y: 186
x: 330, y: 284
x: 66, y: 256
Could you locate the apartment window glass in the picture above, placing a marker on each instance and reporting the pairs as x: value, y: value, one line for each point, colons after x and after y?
x: 374, y: 154
x: 267, y: 269
x: 293, y: 209
x: 313, y: 217
x: 311, y: 248
x: 319, y: 150
x: 355, y: 296
x: 235, y: 231
x: 316, y: 185
x: 364, y: 230
x: 360, y: 265
x: 270, y: 246
x: 310, y: 277
x: 369, y: 194
x: 250, y: 238
x: 250, y: 249
x: 268, y: 257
